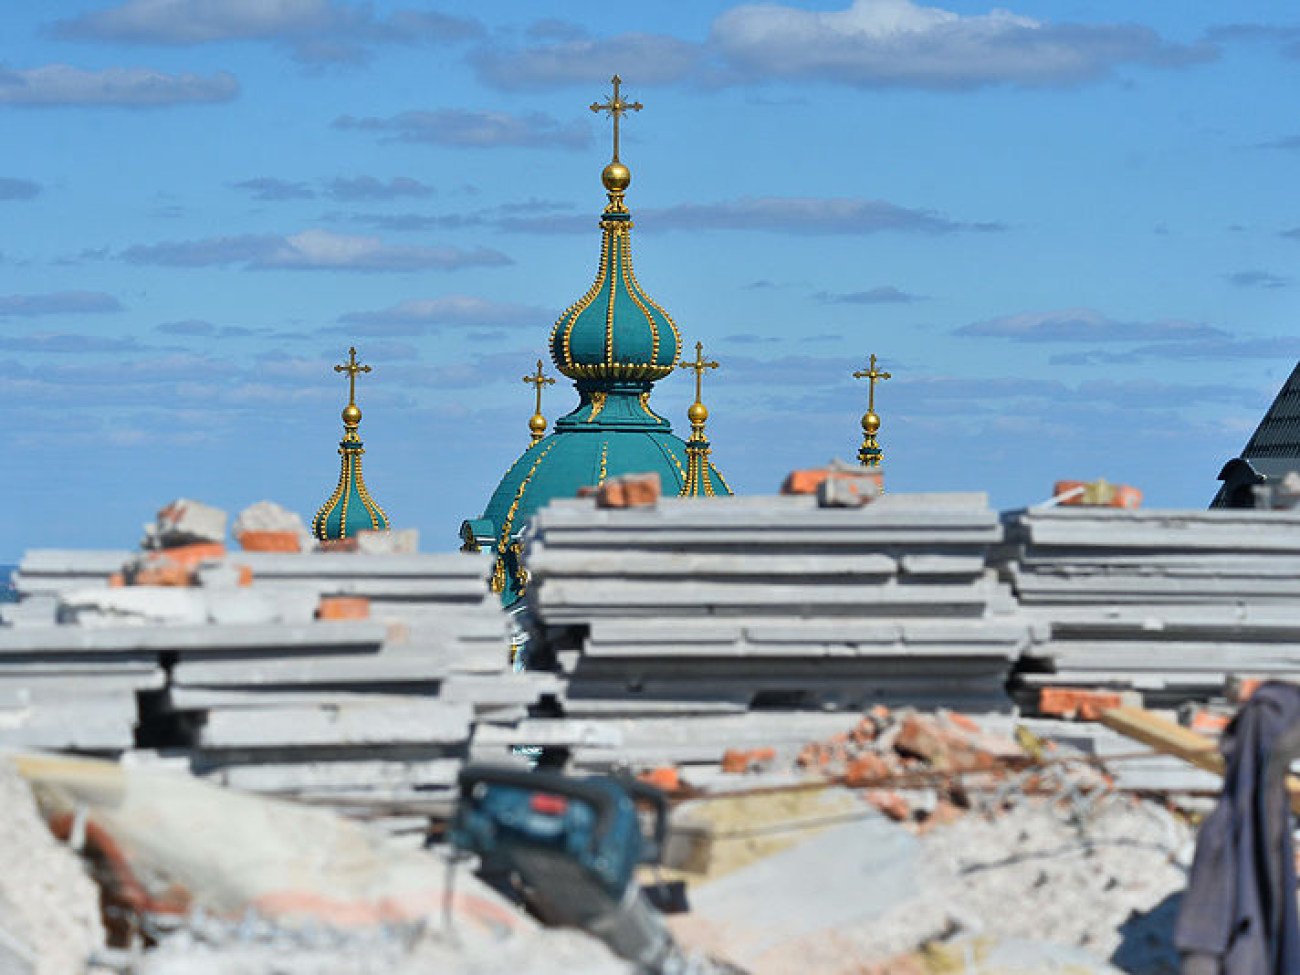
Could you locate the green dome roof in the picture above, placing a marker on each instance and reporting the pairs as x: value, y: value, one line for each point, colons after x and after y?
x: 610, y: 433
x: 616, y: 330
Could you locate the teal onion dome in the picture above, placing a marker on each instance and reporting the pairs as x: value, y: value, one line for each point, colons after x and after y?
x: 615, y: 331
x: 350, y: 508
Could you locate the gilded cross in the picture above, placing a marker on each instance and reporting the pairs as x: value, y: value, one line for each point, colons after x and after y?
x: 699, y: 365
x: 352, y: 367
x: 871, y: 374
x: 616, y: 108
x: 539, y: 380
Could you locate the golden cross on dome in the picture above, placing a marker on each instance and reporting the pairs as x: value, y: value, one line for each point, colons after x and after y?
x: 616, y: 108
x: 699, y: 365
x: 871, y: 374
x: 538, y: 379
x: 352, y: 367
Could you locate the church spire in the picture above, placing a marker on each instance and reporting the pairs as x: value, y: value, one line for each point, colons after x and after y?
x: 350, y: 508
x: 698, y: 483
x: 869, y: 453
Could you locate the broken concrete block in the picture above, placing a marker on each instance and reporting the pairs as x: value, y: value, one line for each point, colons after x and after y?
x: 629, y: 491
x: 403, y: 542
x: 172, y: 566
x: 222, y: 575
x: 267, y: 516
x: 184, y: 522
x: 133, y: 606
x: 231, y: 606
x: 848, y: 490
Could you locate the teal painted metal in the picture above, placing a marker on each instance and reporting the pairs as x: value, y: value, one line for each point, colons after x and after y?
x: 350, y: 509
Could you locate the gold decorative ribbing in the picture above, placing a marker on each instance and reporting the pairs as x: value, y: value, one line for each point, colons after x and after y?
x: 537, y: 422
x: 869, y: 453
x: 698, y: 481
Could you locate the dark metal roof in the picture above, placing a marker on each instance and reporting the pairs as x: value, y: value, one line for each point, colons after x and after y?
x: 1274, y: 447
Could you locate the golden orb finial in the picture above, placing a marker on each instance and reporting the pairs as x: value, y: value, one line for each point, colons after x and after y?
x: 351, y: 415
x: 616, y: 177
x: 537, y: 424
x: 697, y: 413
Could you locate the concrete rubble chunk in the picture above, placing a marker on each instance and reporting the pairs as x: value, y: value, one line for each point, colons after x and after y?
x: 185, y: 522
x: 267, y: 516
x: 404, y: 541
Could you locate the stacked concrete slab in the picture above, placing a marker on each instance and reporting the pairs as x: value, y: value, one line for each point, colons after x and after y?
x: 768, y: 605
x: 249, y: 688
x: 1165, y: 602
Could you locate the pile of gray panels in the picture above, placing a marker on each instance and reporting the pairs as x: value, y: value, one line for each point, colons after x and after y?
x: 363, y: 714
x: 1165, y: 602
x: 711, y: 608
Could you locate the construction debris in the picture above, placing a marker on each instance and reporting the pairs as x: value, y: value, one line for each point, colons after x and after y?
x: 820, y: 688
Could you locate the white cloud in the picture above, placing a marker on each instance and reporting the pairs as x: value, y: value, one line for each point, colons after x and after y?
x: 62, y: 84
x: 317, y: 30
x: 876, y: 43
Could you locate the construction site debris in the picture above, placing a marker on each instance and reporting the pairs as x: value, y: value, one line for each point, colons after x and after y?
x: 405, y: 541
x: 184, y: 522
x: 811, y: 480
x: 49, y: 907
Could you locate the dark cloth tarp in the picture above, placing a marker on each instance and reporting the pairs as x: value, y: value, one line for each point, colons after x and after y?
x: 1238, y: 915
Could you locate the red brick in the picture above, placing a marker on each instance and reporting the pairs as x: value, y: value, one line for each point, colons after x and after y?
x: 665, y: 777
x: 738, y: 760
x: 868, y: 769
x: 890, y: 803
x: 343, y: 608
x: 1072, y: 702
x: 807, y: 481
x: 188, y: 556
x: 629, y: 491
x: 260, y: 541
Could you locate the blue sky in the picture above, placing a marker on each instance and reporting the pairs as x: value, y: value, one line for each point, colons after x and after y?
x: 1069, y: 234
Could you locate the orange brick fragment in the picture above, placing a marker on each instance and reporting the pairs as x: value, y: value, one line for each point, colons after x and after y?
x: 890, y: 803
x: 343, y: 608
x: 665, y: 777
x: 868, y: 769
x: 260, y: 541
x: 1072, y: 702
x: 807, y: 481
x: 1209, y: 723
x: 1099, y: 494
x: 629, y: 491
x: 189, y: 556
x: 586, y: 491
x: 116, y: 580
x: 163, y: 575
x: 245, y: 575
x: 738, y: 760
x: 963, y: 722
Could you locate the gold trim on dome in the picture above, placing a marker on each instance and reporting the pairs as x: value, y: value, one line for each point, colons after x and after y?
x: 597, y: 405
x: 604, y: 455
x: 514, y: 506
